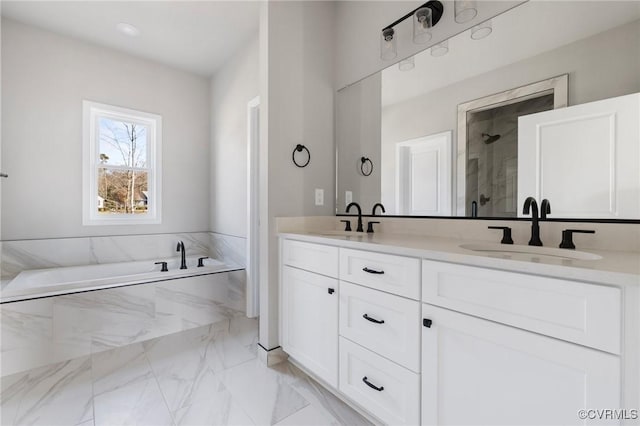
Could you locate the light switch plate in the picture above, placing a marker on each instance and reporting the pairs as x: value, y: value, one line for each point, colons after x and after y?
x: 319, y: 197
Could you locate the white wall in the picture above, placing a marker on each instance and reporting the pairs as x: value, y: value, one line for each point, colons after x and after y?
x: 232, y: 87
x: 45, y: 77
x: 591, y: 77
x: 297, y: 84
x: 359, y: 25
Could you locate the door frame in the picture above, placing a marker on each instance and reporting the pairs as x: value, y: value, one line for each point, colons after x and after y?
x: 253, y: 208
x: 403, y: 169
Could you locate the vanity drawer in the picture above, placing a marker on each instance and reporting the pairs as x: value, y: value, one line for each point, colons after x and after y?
x: 582, y: 313
x: 398, y: 400
x: 393, y: 274
x: 312, y: 257
x: 391, y: 326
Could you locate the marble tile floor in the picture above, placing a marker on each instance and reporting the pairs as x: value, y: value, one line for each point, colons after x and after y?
x: 205, y: 376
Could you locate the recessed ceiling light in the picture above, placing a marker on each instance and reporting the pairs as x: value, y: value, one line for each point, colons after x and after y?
x: 128, y: 29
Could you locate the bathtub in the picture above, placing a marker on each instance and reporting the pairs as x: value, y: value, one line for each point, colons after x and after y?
x: 56, y: 314
x: 73, y: 279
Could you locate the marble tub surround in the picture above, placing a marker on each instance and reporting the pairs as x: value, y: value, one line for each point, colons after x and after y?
x: 20, y: 255
x: 202, y: 376
x: 237, y: 290
x: 40, y: 331
x: 232, y: 251
x: 619, y: 237
x: 47, y: 282
x: 229, y: 249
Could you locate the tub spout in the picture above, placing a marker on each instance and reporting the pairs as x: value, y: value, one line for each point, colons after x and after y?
x: 183, y: 260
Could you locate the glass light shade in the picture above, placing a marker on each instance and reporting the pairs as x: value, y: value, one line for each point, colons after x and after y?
x: 440, y: 48
x: 407, y: 64
x: 464, y: 10
x: 422, y: 23
x: 388, y: 46
x: 481, y: 30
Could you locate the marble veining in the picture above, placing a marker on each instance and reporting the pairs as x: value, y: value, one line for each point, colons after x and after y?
x: 40, y: 331
x: 22, y: 255
x: 229, y: 249
x: 206, y: 375
x: 265, y: 394
x: 58, y: 394
x: 220, y: 409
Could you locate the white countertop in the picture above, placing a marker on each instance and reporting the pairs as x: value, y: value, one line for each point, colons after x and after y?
x: 614, y: 268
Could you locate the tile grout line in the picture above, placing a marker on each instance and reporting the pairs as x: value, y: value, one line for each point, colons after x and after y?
x: 155, y: 378
x: 93, y: 393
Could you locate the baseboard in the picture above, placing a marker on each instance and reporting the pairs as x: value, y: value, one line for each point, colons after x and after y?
x: 272, y: 356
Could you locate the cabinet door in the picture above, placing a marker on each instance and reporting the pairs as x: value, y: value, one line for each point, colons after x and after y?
x: 478, y: 372
x: 310, y: 321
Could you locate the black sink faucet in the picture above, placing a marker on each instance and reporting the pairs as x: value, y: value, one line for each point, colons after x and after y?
x: 531, y: 204
x: 373, y: 211
x: 359, y: 229
x: 545, y: 208
x: 183, y: 260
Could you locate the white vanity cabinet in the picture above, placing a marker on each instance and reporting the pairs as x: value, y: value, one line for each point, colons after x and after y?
x: 380, y: 334
x: 479, y: 372
x: 418, y: 341
x: 309, y: 307
x: 493, y: 362
x: 352, y: 318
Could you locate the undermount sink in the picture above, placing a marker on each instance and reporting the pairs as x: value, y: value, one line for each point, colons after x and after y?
x: 531, y: 250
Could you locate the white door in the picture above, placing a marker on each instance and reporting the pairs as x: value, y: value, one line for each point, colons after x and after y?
x: 585, y: 159
x: 477, y: 372
x: 423, y: 176
x: 310, y: 321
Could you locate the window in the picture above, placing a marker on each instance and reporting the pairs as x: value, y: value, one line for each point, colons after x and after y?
x: 122, y: 166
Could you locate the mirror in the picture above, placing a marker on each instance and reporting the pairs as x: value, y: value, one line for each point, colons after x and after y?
x: 442, y: 137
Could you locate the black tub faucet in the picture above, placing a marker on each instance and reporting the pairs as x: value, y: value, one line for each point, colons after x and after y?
x: 373, y: 211
x: 531, y: 204
x: 359, y: 229
x: 183, y: 260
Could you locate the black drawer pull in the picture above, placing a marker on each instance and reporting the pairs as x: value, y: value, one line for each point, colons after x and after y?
x: 371, y: 385
x: 427, y: 322
x: 368, y: 318
x: 372, y: 271
x: 331, y: 290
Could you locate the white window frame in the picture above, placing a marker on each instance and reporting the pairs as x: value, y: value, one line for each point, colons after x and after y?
x: 91, y: 112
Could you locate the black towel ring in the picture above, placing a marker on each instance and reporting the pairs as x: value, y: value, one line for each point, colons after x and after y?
x: 363, y: 161
x: 299, y: 148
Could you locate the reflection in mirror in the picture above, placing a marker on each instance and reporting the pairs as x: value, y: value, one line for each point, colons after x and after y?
x: 396, y: 118
x: 488, y: 146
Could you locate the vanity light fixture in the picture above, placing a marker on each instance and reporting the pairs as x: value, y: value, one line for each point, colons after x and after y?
x: 424, y: 18
x: 464, y: 10
x: 440, y: 49
x: 128, y: 29
x: 481, y: 30
x: 422, y: 23
x: 407, y: 64
x: 388, y: 45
